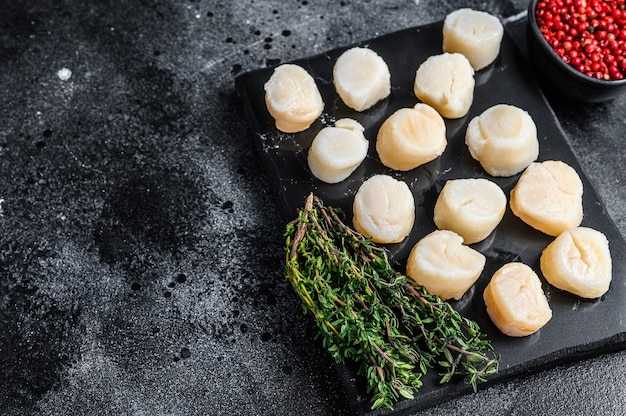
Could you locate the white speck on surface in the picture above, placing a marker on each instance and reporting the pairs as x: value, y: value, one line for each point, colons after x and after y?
x: 64, y: 74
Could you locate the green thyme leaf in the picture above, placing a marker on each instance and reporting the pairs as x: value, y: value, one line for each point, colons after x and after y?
x: 369, y: 314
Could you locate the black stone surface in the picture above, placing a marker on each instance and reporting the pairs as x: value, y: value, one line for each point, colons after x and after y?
x: 508, y: 80
x: 141, y: 241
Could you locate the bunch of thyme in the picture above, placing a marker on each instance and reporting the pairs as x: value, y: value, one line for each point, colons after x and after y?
x: 371, y: 314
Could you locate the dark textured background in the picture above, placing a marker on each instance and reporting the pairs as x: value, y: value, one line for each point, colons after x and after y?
x: 140, y: 242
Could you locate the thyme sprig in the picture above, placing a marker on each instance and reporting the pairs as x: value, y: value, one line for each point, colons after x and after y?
x: 370, y: 314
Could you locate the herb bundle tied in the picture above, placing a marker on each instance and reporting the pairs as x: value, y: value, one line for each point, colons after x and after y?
x: 370, y: 314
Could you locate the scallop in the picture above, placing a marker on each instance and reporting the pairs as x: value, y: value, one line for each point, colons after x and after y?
x: 361, y: 78
x: 292, y: 98
x: 411, y: 137
x: 444, y: 265
x: 515, y: 300
x: 503, y: 139
x: 549, y: 197
x: 471, y: 207
x: 578, y: 261
x: 475, y: 34
x: 384, y: 209
x: 446, y: 83
x: 336, y: 151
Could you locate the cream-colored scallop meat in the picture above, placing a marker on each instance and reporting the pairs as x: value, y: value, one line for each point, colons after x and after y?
x: 361, y: 78
x: 578, y: 261
x: 471, y: 207
x: 384, y: 209
x: 336, y: 151
x: 475, y: 34
x: 446, y: 83
x: 411, y: 137
x: 292, y: 98
x: 515, y: 300
x: 548, y: 196
x: 444, y: 265
x: 503, y: 139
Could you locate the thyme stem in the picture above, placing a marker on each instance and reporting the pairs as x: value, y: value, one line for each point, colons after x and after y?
x: 369, y: 314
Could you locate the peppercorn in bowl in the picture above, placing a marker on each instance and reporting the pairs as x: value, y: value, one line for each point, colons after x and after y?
x: 578, y: 47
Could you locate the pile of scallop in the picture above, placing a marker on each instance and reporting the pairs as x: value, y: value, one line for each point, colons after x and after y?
x: 503, y: 139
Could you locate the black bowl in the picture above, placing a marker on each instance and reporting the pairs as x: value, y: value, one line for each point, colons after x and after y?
x: 561, y: 79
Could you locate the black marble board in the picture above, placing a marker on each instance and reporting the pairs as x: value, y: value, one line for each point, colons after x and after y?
x: 578, y: 328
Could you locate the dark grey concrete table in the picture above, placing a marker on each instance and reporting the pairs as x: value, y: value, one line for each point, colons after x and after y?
x: 140, y: 243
